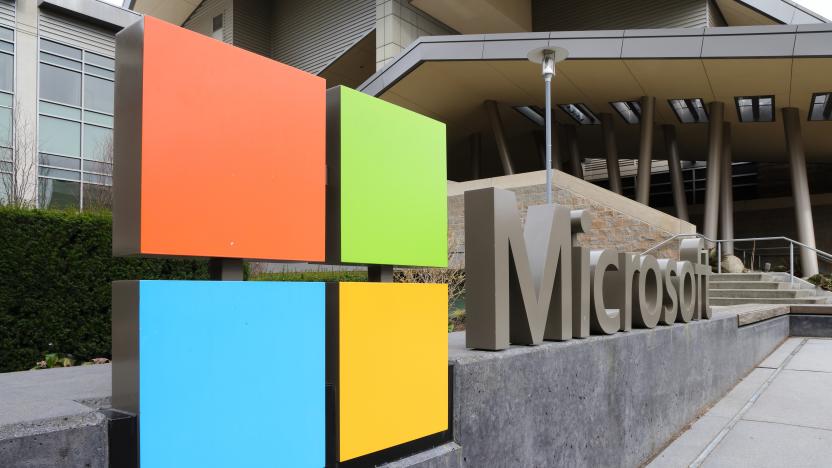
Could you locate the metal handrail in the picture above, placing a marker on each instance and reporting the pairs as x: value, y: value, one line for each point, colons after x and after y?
x: 823, y: 255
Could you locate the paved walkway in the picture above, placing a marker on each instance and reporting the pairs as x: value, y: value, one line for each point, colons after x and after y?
x: 780, y: 415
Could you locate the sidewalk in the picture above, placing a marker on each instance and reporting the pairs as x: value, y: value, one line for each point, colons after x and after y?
x: 779, y: 415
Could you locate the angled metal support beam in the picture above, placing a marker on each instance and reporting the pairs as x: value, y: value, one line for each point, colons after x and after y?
x: 675, y: 164
x: 499, y: 136
x: 611, y: 150
x: 726, y: 194
x: 800, y: 190
x: 715, y: 127
x: 645, y: 153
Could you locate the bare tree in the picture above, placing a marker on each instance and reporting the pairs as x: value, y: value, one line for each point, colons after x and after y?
x: 20, y: 186
x: 453, y: 276
x: 100, y: 197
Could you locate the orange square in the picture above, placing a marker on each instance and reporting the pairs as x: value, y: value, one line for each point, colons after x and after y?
x: 219, y: 152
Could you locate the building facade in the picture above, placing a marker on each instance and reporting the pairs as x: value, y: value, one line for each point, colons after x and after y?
x: 661, y: 101
x: 56, y: 102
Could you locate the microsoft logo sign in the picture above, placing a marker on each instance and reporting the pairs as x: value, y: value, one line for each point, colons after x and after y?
x: 222, y: 153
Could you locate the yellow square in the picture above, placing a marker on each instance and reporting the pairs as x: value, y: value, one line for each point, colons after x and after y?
x: 393, y: 365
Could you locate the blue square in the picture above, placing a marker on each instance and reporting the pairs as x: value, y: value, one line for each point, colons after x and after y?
x: 231, y: 374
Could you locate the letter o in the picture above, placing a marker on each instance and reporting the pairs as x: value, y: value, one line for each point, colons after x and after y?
x: 686, y: 288
x: 647, y: 294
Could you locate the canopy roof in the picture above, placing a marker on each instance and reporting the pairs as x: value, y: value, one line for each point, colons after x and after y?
x: 450, y: 77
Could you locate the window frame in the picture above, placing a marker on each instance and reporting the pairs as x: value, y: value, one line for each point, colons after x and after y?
x: 688, y: 103
x: 636, y: 111
x: 90, y: 64
x: 827, y: 105
x: 584, y: 109
x: 755, y: 105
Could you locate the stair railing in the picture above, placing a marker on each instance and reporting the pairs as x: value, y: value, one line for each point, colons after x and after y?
x: 718, y: 242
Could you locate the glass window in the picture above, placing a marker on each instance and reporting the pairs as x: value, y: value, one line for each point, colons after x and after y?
x: 101, y: 61
x: 100, y: 72
x: 755, y: 108
x: 6, y: 47
x: 60, y: 61
x: 60, y: 111
x: 60, y: 161
x: 5, y: 187
x: 98, y: 94
x: 60, y: 49
x: 580, y: 113
x: 6, y: 72
x: 821, y: 108
x: 630, y: 111
x: 59, y: 173
x: 59, y: 136
x: 98, y: 143
x: 5, y: 127
x: 6, y: 99
x: 97, y: 197
x: 216, y: 29
x: 59, y: 194
x: 98, y: 167
x: 6, y: 34
x: 689, y: 110
x: 98, y: 119
x: 60, y: 85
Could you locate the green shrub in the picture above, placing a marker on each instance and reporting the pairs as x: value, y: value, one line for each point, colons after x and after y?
x: 824, y: 281
x: 312, y: 276
x: 55, y: 273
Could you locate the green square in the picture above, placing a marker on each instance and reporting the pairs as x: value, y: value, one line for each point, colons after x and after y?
x: 391, y: 183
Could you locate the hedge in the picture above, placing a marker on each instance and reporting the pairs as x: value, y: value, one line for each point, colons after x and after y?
x: 55, y: 273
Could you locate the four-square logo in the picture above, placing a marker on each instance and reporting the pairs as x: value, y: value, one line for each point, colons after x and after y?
x: 222, y: 153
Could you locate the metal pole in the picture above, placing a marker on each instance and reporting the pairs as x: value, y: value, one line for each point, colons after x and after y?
x: 719, y: 257
x: 548, y: 124
x: 791, y: 262
x: 712, y: 180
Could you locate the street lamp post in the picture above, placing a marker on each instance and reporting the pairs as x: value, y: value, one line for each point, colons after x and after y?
x: 548, y: 57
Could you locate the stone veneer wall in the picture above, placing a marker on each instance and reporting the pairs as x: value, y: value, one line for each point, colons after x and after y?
x: 617, y: 222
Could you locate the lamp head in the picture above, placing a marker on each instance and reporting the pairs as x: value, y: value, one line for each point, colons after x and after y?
x: 548, y: 57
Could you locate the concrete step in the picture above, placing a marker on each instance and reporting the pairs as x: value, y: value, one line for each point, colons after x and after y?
x: 762, y: 293
x: 725, y: 301
x: 717, y: 277
x: 717, y: 285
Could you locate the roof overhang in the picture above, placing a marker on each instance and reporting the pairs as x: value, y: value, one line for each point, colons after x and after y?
x: 100, y: 13
x: 449, y: 77
x: 172, y: 11
x: 480, y: 16
x: 777, y: 11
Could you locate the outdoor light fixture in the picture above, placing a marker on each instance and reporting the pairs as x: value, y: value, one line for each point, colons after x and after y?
x: 689, y: 110
x: 755, y: 108
x: 630, y: 111
x: 580, y: 113
x: 821, y: 106
x: 548, y: 57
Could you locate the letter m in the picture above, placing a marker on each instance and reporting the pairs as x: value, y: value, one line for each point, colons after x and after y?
x: 518, y: 285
